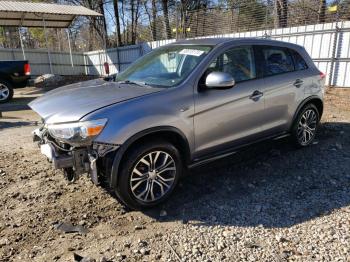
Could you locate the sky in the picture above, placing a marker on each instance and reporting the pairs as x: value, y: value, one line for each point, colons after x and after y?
x: 110, y: 19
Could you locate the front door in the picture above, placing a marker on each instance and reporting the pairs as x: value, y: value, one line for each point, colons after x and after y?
x: 229, y: 117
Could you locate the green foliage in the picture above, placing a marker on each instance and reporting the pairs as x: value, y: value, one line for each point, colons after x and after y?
x: 2, y: 36
x: 37, y: 34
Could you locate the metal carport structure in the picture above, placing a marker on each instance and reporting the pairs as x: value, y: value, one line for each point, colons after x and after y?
x: 28, y: 14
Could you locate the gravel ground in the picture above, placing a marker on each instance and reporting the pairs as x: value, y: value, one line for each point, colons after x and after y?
x: 270, y: 202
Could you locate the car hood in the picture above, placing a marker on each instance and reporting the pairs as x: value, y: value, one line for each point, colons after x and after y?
x: 71, y: 103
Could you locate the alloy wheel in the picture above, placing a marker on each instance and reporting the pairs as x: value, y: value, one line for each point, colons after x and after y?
x: 153, y: 176
x: 4, y: 92
x: 307, y: 127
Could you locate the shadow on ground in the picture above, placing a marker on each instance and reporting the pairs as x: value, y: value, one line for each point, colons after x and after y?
x: 270, y: 184
x: 7, y: 124
x: 16, y: 104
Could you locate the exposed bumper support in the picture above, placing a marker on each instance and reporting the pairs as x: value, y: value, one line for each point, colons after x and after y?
x: 93, y: 169
x: 76, y: 161
x: 59, y: 162
x: 73, y: 159
x: 63, y: 162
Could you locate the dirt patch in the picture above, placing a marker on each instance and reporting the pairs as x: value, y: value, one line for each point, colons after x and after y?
x: 271, y: 202
x: 58, y: 81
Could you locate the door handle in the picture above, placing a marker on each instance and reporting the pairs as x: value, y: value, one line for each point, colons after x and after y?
x: 256, y: 95
x: 298, y: 83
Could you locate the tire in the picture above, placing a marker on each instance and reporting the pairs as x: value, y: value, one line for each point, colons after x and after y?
x: 142, y: 186
x: 6, y: 91
x: 305, y: 126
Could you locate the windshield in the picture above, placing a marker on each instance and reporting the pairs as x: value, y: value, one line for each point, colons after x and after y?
x: 165, y: 67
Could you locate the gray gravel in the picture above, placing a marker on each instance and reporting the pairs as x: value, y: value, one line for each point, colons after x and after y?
x: 270, y: 202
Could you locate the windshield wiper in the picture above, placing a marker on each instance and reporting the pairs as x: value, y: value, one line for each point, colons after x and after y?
x: 134, y: 83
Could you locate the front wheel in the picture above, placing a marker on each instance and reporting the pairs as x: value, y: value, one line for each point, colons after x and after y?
x: 149, y: 174
x: 306, y: 125
x: 6, y: 91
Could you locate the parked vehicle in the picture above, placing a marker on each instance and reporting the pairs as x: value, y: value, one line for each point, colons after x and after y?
x: 180, y: 106
x: 13, y: 74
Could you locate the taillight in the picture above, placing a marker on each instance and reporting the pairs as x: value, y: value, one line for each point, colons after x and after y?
x: 322, y: 75
x: 27, y: 69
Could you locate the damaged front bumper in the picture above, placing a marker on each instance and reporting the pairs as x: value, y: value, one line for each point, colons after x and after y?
x: 74, y: 161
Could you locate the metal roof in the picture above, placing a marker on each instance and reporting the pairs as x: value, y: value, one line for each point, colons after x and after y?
x: 27, y: 14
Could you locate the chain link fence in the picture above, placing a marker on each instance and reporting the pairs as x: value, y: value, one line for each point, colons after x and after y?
x: 238, y: 16
x: 323, y: 30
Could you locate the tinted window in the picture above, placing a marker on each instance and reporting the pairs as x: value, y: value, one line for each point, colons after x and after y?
x: 239, y: 62
x: 299, y: 61
x: 276, y: 60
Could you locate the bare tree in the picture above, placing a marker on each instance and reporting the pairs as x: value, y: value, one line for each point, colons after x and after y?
x: 322, y: 11
x: 97, y: 25
x: 117, y: 22
x: 102, y: 10
x: 147, y: 20
x: 124, y: 22
x: 281, y: 8
x: 345, y: 9
x: 165, y: 7
x: 152, y: 17
x: 132, y: 8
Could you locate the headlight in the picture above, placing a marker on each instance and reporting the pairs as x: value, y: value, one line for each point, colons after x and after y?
x: 77, y: 131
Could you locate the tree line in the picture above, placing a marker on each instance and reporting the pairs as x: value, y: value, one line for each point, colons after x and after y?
x: 127, y: 22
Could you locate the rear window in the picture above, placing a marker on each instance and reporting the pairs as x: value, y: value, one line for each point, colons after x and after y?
x: 299, y: 61
x: 276, y: 60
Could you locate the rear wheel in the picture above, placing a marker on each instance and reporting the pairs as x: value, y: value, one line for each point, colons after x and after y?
x: 149, y: 174
x: 306, y: 125
x: 6, y: 91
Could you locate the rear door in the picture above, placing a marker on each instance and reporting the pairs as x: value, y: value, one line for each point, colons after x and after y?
x: 283, y: 87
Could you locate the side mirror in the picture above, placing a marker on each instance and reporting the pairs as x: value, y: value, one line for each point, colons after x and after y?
x: 219, y: 80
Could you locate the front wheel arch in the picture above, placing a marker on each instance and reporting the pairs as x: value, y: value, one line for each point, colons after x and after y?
x: 166, y: 133
x: 126, y: 191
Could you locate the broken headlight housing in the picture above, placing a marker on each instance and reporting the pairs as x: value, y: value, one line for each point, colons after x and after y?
x: 77, y: 132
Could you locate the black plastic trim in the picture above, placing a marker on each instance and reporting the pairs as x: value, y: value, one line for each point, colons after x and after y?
x: 233, y: 150
x: 303, y: 103
x: 125, y: 146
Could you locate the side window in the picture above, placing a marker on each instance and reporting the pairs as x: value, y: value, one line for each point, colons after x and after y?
x: 239, y: 62
x: 189, y: 62
x: 277, y: 60
x: 299, y: 61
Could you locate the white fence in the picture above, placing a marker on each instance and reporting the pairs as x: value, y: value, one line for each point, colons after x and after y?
x: 328, y: 44
x: 39, y: 61
x: 117, y: 58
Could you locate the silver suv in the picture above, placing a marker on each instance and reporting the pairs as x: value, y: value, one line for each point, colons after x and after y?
x: 177, y: 107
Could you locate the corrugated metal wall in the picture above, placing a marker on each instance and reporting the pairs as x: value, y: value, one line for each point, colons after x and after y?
x: 328, y: 44
x: 117, y: 58
x: 39, y: 61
